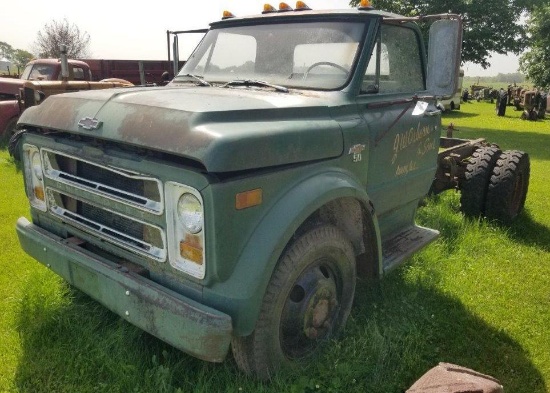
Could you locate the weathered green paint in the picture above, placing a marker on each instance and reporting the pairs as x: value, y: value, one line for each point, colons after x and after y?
x: 303, y: 149
x: 224, y: 129
x: 187, y: 325
x: 256, y: 249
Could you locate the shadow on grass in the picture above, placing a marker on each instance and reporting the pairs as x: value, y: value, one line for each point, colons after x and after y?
x: 78, y: 345
x: 457, y: 115
x: 397, y: 331
x: 530, y: 232
x: 419, y: 326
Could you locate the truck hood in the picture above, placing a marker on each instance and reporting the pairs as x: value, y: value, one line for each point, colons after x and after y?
x: 225, y: 129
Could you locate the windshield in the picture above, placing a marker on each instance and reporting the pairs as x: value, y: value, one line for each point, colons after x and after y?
x: 315, y: 55
x: 38, y: 72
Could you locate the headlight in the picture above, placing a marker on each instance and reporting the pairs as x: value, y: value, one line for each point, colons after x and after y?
x: 36, y: 165
x: 190, y: 212
x: 185, y: 222
x: 34, y: 177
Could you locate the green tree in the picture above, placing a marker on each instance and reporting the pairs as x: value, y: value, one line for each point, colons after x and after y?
x: 57, y: 33
x: 536, y: 62
x: 6, y: 51
x: 21, y: 57
x: 489, y: 25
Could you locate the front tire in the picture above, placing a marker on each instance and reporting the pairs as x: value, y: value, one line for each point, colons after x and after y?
x: 307, y: 302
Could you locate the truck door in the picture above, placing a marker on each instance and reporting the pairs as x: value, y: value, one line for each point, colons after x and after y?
x: 403, y: 133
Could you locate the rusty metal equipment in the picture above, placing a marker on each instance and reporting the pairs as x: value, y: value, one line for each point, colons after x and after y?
x: 534, y: 105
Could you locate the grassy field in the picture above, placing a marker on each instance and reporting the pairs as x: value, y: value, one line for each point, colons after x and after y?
x: 479, y: 297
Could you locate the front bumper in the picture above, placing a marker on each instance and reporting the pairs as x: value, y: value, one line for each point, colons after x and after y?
x: 181, y: 322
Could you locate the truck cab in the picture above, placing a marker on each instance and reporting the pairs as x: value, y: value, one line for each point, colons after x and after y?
x: 50, y: 70
x: 39, y: 70
x: 235, y: 207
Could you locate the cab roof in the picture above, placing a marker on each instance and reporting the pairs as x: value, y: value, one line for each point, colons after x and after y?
x: 56, y: 61
x: 289, y: 15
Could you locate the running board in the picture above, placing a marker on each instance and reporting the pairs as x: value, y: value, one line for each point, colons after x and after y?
x: 405, y: 243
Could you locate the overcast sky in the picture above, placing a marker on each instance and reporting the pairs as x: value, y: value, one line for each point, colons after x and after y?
x: 122, y: 29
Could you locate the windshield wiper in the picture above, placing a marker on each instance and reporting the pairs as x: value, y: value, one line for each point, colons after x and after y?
x: 254, y: 82
x: 198, y: 78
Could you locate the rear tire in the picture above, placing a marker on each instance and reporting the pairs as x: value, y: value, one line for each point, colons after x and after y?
x: 473, y: 189
x: 307, y: 302
x: 508, y: 186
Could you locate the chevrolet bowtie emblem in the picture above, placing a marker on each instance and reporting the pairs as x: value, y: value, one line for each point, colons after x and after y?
x: 89, y: 123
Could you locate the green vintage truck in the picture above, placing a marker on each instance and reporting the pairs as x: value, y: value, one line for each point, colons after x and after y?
x: 235, y: 207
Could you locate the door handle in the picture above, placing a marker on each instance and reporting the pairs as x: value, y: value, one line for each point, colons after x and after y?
x: 432, y: 113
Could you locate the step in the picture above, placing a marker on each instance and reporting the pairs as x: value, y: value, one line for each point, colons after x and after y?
x: 404, y: 244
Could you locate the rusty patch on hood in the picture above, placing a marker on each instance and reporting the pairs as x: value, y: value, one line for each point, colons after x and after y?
x: 61, y: 116
x: 159, y: 127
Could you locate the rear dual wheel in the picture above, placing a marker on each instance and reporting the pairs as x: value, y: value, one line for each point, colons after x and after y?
x: 307, y: 302
x: 508, y: 186
x: 495, y: 184
x: 473, y: 189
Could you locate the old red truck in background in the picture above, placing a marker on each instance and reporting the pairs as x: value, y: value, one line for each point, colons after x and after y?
x: 139, y: 72
x: 46, y: 75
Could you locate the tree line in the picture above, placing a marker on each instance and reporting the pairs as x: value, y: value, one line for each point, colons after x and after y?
x: 48, y: 42
x: 511, y: 78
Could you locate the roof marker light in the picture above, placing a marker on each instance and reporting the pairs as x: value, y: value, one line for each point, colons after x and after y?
x: 365, y: 5
x: 284, y: 7
x: 227, y: 15
x: 268, y: 8
x: 301, y: 6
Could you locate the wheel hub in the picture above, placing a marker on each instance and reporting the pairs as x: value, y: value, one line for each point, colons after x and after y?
x: 310, y: 311
x: 320, y: 312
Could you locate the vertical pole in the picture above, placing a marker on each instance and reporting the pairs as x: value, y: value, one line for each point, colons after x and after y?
x: 168, y: 45
x: 176, y: 55
x: 141, y: 73
x: 64, y: 63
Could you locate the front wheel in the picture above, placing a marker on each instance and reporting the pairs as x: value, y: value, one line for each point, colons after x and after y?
x: 307, y: 302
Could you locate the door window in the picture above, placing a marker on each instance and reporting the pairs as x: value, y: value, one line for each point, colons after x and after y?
x: 395, y: 65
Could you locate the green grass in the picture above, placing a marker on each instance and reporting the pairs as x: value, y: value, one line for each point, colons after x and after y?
x: 479, y: 297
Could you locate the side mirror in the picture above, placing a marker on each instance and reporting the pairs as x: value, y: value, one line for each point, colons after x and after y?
x: 444, y: 56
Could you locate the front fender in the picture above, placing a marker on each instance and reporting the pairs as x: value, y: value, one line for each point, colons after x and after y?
x: 242, y: 294
x: 9, y: 110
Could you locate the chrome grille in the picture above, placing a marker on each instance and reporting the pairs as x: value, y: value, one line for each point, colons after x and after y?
x: 133, y: 189
x: 127, y: 232
x: 111, y: 203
